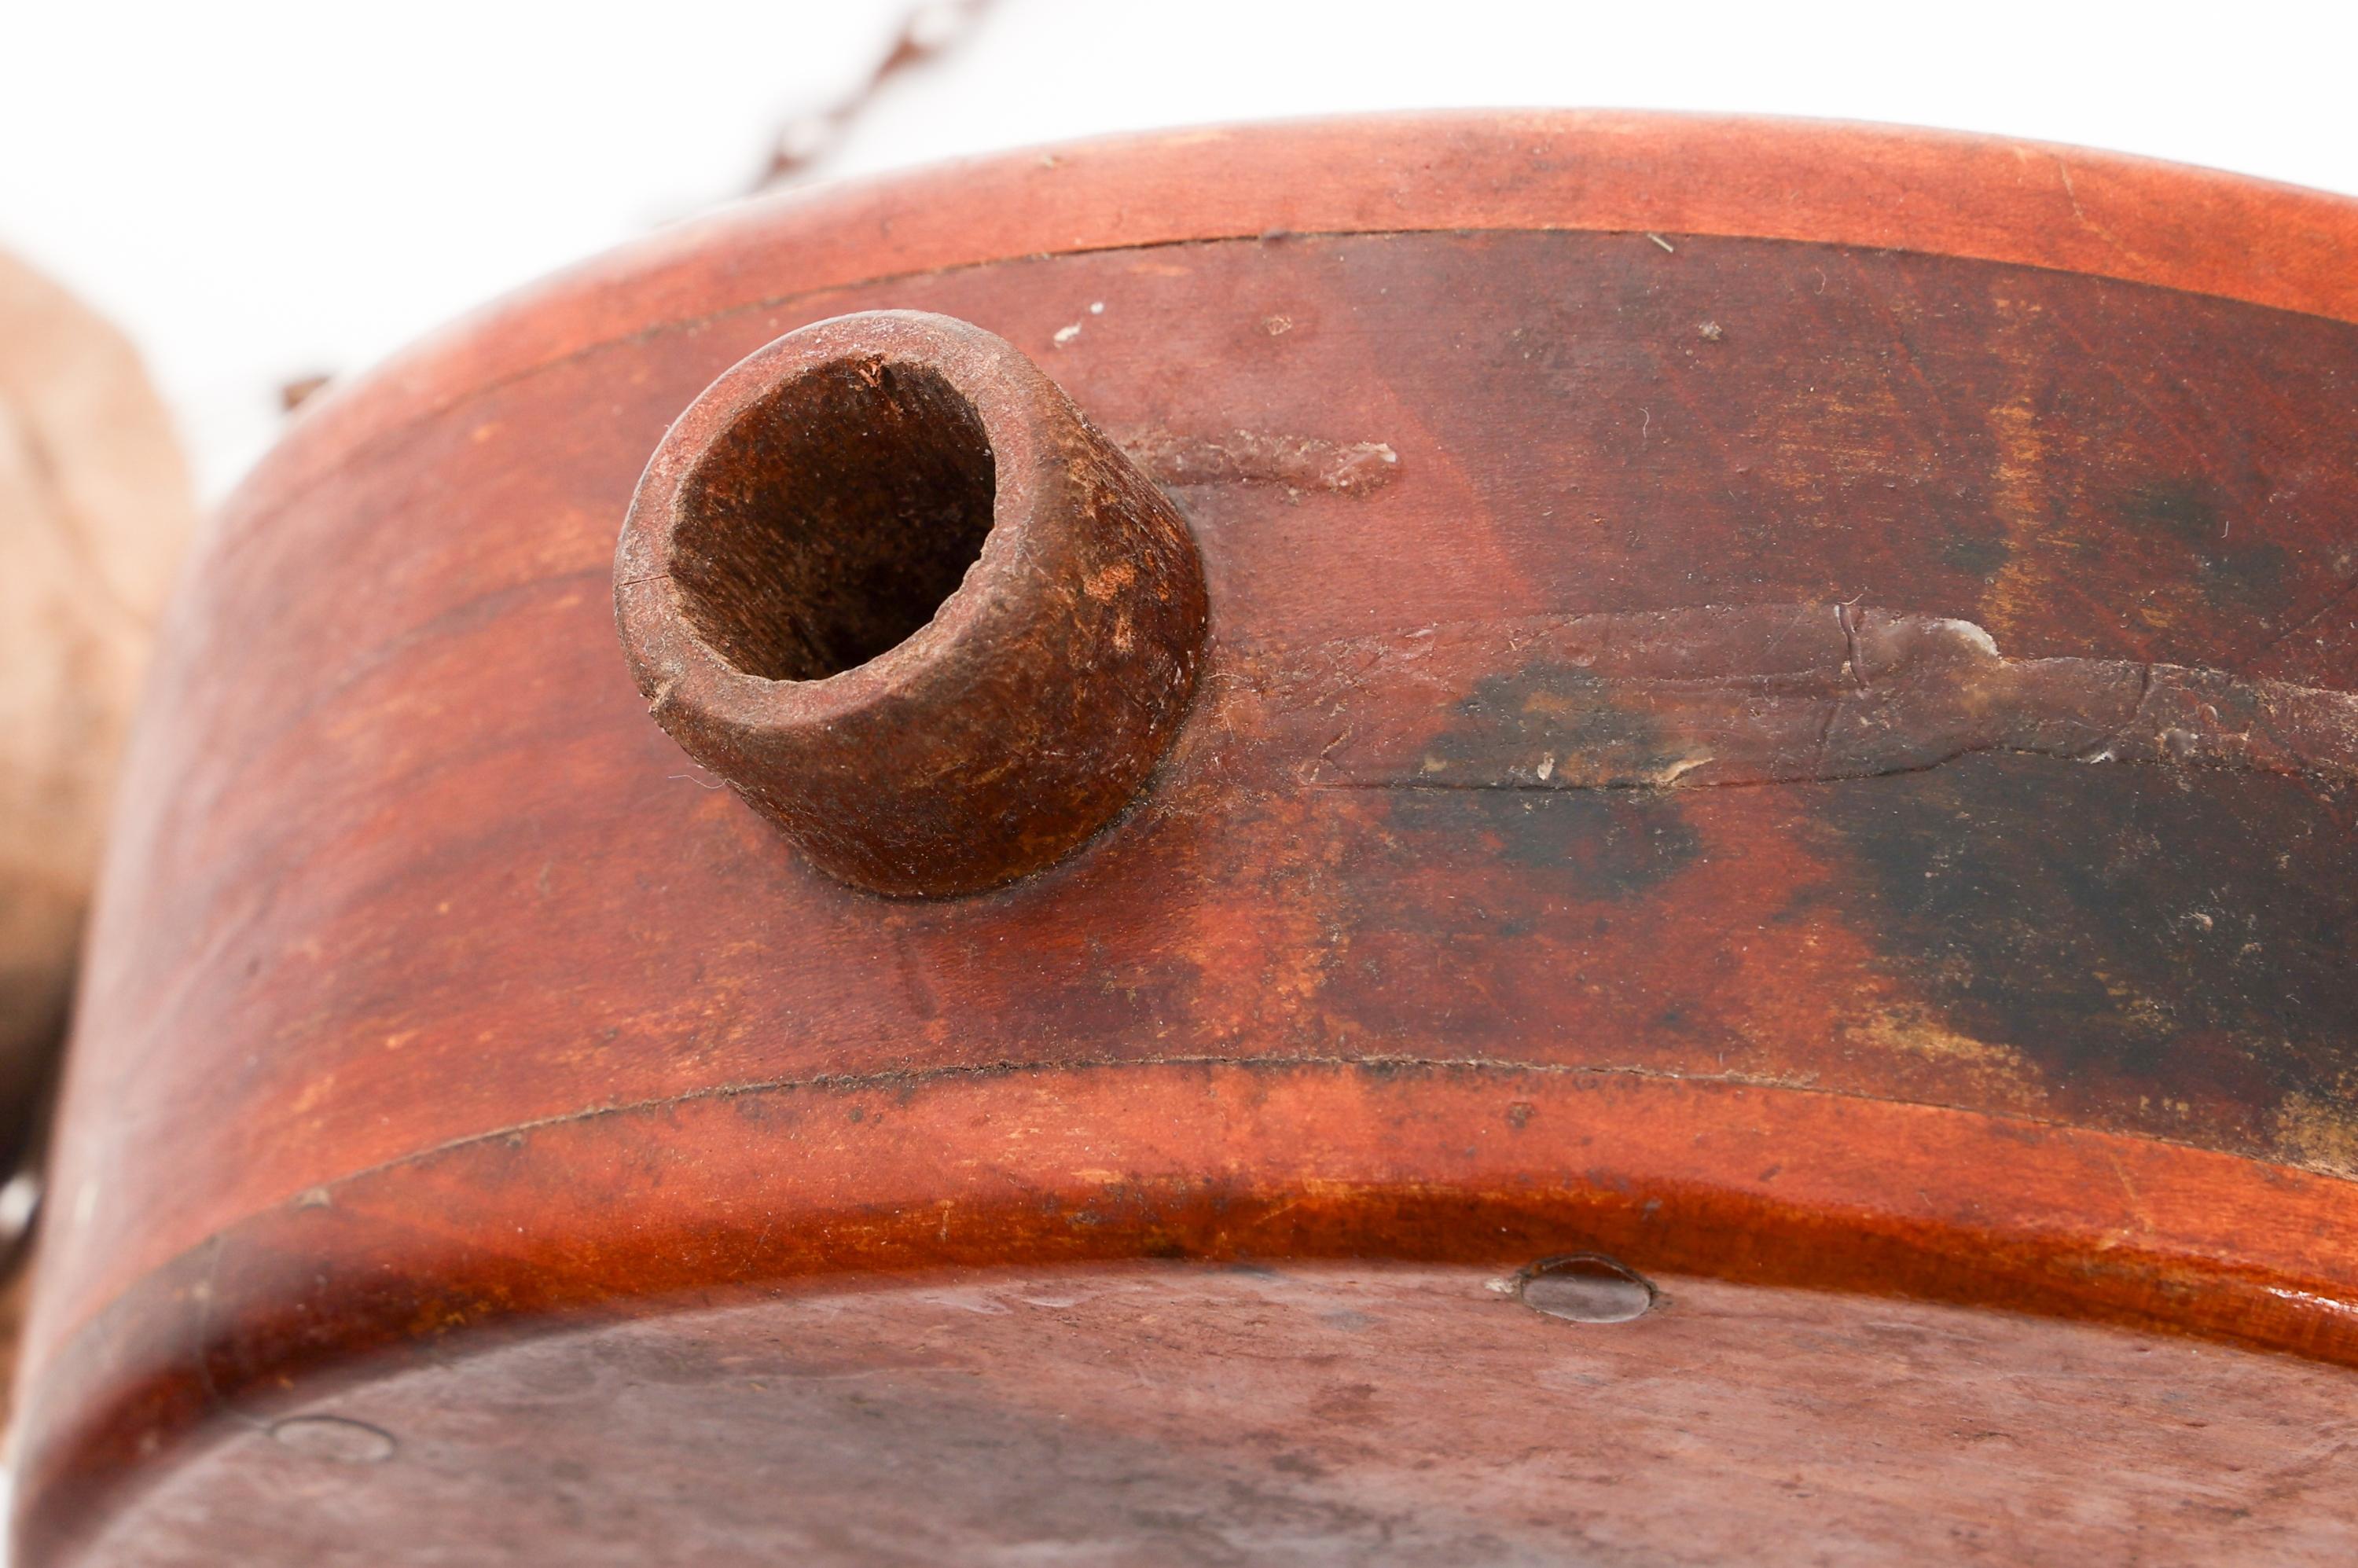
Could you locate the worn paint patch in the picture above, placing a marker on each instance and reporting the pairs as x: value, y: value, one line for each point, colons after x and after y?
x: 1992, y: 1074
x: 1554, y: 726
x: 2319, y: 1129
x: 2165, y: 958
x: 1618, y: 846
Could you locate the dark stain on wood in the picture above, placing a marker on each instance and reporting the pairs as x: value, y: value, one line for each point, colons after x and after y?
x: 2143, y: 941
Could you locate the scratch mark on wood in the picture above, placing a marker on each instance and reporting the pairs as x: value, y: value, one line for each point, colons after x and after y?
x: 1257, y: 457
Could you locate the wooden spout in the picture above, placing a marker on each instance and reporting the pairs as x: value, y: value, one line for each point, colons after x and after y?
x: 886, y: 580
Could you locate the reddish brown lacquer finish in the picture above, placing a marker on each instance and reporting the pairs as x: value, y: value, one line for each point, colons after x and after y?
x: 1354, y: 707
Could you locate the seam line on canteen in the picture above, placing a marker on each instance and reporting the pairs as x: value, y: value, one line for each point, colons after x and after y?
x: 2276, y: 1281
x: 891, y: 1079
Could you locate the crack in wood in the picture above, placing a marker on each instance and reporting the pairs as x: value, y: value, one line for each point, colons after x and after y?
x: 1764, y: 694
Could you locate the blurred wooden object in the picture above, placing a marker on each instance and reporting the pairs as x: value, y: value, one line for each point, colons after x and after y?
x: 94, y: 511
x: 1780, y: 703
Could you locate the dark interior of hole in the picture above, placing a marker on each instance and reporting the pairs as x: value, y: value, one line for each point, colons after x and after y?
x: 832, y: 520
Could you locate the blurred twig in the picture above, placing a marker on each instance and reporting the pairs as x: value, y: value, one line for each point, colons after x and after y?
x: 926, y: 32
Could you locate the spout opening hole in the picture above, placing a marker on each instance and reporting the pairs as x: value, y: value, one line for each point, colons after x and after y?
x: 831, y: 520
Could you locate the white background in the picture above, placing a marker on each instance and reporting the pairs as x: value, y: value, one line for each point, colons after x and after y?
x: 257, y: 191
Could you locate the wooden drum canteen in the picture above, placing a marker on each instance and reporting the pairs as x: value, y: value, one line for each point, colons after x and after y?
x: 1503, y: 838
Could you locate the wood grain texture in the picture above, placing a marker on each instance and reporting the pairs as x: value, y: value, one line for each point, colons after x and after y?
x: 433, y: 987
x: 1310, y: 1414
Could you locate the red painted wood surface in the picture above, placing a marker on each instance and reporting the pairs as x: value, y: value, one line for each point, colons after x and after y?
x: 433, y: 987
